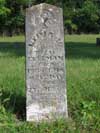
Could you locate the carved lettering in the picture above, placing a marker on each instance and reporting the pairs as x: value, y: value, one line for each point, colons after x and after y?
x: 45, y: 72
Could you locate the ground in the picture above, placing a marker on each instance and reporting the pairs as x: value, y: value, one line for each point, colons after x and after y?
x: 83, y: 87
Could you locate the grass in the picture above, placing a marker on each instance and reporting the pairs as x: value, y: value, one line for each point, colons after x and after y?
x: 83, y: 87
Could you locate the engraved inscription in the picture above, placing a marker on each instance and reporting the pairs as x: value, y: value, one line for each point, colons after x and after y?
x: 45, y: 63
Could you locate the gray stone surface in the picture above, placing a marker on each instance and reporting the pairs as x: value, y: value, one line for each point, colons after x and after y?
x: 45, y: 64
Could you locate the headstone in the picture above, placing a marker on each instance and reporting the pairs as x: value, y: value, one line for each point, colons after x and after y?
x: 98, y: 41
x: 45, y: 64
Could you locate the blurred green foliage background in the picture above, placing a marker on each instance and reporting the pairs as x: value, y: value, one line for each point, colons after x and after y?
x: 80, y: 16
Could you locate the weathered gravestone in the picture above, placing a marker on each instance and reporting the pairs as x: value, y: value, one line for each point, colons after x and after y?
x: 45, y: 64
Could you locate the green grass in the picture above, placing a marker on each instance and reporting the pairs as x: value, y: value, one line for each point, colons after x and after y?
x: 83, y: 87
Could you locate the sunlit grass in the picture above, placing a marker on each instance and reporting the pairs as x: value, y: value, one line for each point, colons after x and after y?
x: 83, y: 87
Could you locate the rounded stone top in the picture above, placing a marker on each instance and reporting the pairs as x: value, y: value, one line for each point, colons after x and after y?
x: 43, y: 6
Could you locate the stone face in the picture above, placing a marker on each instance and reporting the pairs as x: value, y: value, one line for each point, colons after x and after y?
x: 45, y: 64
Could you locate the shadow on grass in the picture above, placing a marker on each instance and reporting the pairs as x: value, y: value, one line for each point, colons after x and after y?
x: 13, y: 48
x: 77, y: 50
x: 15, y: 103
x: 74, y: 50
